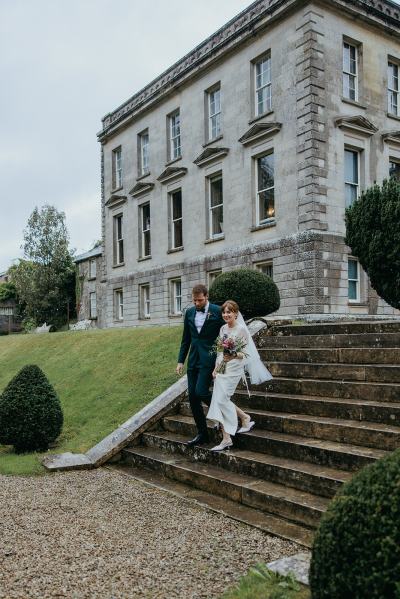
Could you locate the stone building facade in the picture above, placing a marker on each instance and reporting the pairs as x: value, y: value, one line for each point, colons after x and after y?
x: 245, y: 153
x: 89, y: 288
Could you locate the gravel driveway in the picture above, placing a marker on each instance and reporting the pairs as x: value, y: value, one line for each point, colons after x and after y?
x: 103, y: 535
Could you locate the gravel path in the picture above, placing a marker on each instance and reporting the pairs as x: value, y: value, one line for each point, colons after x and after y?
x: 102, y: 535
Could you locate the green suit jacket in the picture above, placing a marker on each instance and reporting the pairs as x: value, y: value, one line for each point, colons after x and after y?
x: 201, y: 343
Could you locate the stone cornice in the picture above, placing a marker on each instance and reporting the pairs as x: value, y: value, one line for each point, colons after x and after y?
x: 141, y: 188
x: 258, y: 15
x: 392, y: 137
x: 209, y: 155
x: 115, y: 200
x: 258, y: 132
x: 357, y: 124
x: 171, y: 172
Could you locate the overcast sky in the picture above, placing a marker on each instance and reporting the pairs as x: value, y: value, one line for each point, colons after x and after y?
x: 63, y: 65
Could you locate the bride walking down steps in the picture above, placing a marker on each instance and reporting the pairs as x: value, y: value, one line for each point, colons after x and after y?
x: 236, y: 354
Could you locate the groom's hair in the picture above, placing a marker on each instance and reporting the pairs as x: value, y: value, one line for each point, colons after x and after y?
x: 200, y: 288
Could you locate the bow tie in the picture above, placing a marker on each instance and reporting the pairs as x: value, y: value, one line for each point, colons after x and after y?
x: 200, y: 310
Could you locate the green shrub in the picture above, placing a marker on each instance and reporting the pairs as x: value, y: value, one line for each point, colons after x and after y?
x: 30, y: 412
x: 356, y: 552
x: 255, y: 292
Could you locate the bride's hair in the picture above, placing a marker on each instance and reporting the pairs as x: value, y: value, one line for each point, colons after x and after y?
x: 231, y: 305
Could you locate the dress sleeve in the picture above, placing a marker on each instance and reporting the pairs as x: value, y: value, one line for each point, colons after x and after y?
x: 220, y: 354
x: 244, y: 334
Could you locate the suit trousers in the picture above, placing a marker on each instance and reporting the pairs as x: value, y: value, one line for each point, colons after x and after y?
x: 199, y: 381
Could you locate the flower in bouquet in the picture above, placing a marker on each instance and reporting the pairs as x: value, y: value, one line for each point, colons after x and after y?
x: 228, y: 346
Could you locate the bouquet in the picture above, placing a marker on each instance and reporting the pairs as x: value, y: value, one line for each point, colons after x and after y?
x: 228, y: 346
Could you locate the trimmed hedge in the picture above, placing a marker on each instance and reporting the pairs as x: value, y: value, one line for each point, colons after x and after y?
x: 356, y: 552
x: 30, y: 412
x: 255, y: 292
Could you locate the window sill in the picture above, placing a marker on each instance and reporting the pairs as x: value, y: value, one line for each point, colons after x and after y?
x: 115, y: 189
x: 267, y: 225
x: 143, y: 176
x: 173, y: 161
x: 211, y: 141
x: 92, y: 317
x: 393, y: 116
x: 213, y: 239
x: 118, y: 265
x: 260, y: 116
x: 143, y: 258
x: 357, y: 304
x: 118, y: 320
x: 145, y: 318
x: 175, y: 315
x: 174, y: 250
x: 92, y: 279
x: 354, y: 103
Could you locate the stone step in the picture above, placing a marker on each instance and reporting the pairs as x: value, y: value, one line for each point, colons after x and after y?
x: 299, y: 475
x: 334, y: 372
x: 317, y: 451
x: 386, y: 392
x: 348, y: 409
x: 356, y: 355
x: 294, y: 505
x: 353, y: 432
x: 337, y: 328
x: 342, y: 341
x: 237, y: 511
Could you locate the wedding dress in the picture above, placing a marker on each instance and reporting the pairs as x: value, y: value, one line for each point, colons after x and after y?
x: 222, y: 409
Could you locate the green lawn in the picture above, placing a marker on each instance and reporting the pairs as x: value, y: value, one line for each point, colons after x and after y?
x: 262, y: 583
x: 102, y: 378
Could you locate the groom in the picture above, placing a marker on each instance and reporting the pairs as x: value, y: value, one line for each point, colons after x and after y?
x: 200, y: 330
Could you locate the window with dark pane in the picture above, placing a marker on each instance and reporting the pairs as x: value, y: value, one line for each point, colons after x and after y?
x: 265, y: 188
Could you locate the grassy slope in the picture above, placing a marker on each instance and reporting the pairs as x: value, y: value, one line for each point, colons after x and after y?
x: 102, y: 378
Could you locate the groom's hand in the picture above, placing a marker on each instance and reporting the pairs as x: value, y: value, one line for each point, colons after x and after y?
x: 179, y: 368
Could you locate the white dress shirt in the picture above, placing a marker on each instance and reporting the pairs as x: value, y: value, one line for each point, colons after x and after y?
x: 200, y: 318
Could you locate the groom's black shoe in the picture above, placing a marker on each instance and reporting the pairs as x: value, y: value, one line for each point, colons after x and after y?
x: 200, y: 439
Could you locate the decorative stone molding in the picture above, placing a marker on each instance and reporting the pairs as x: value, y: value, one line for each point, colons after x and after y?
x: 356, y: 124
x: 209, y: 155
x: 392, y: 137
x: 171, y: 172
x: 115, y: 200
x: 258, y: 132
x: 141, y: 188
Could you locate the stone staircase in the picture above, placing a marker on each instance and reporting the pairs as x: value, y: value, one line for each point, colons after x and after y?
x: 332, y: 408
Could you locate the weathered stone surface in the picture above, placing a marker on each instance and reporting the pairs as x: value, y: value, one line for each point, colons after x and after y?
x: 298, y: 565
x: 67, y: 461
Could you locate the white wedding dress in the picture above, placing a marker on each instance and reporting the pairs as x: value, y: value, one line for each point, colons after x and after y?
x: 222, y: 409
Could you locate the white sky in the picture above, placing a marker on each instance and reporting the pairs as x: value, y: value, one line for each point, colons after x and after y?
x: 63, y: 65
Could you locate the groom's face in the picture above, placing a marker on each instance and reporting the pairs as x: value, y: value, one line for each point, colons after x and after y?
x: 199, y: 300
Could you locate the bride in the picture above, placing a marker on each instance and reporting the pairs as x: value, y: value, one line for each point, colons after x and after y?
x: 222, y: 409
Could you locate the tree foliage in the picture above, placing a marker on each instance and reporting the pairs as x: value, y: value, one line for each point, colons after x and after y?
x: 45, y: 278
x: 373, y: 234
x: 8, y: 292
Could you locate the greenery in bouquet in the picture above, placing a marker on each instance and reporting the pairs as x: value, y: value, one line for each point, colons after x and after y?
x: 228, y: 346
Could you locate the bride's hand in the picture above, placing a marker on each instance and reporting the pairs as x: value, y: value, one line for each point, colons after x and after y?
x: 214, y: 374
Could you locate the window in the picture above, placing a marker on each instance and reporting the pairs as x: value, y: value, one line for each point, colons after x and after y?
x: 117, y: 168
x: 393, y: 89
x: 145, y: 246
x: 265, y: 189
x: 175, y: 150
x: 394, y: 169
x: 118, y: 240
x: 212, y: 275
x: 351, y: 176
x: 92, y: 305
x: 176, y: 219
x: 144, y: 153
x: 176, y: 296
x: 216, y: 208
x: 266, y: 268
x: 262, y: 79
x: 350, y: 71
x: 354, y: 280
x: 144, y: 298
x: 92, y: 269
x: 214, y: 113
x: 119, y: 304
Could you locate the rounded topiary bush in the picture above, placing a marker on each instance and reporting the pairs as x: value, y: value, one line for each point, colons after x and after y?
x: 30, y: 412
x: 255, y: 292
x: 356, y: 552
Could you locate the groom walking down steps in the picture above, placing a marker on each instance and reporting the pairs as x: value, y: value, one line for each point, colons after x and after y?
x: 200, y: 330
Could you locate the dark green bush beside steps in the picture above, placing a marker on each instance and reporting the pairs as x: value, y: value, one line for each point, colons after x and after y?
x: 30, y: 412
x: 255, y: 292
x: 356, y: 553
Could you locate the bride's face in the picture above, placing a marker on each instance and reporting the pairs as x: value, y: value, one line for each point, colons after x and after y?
x: 229, y: 316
